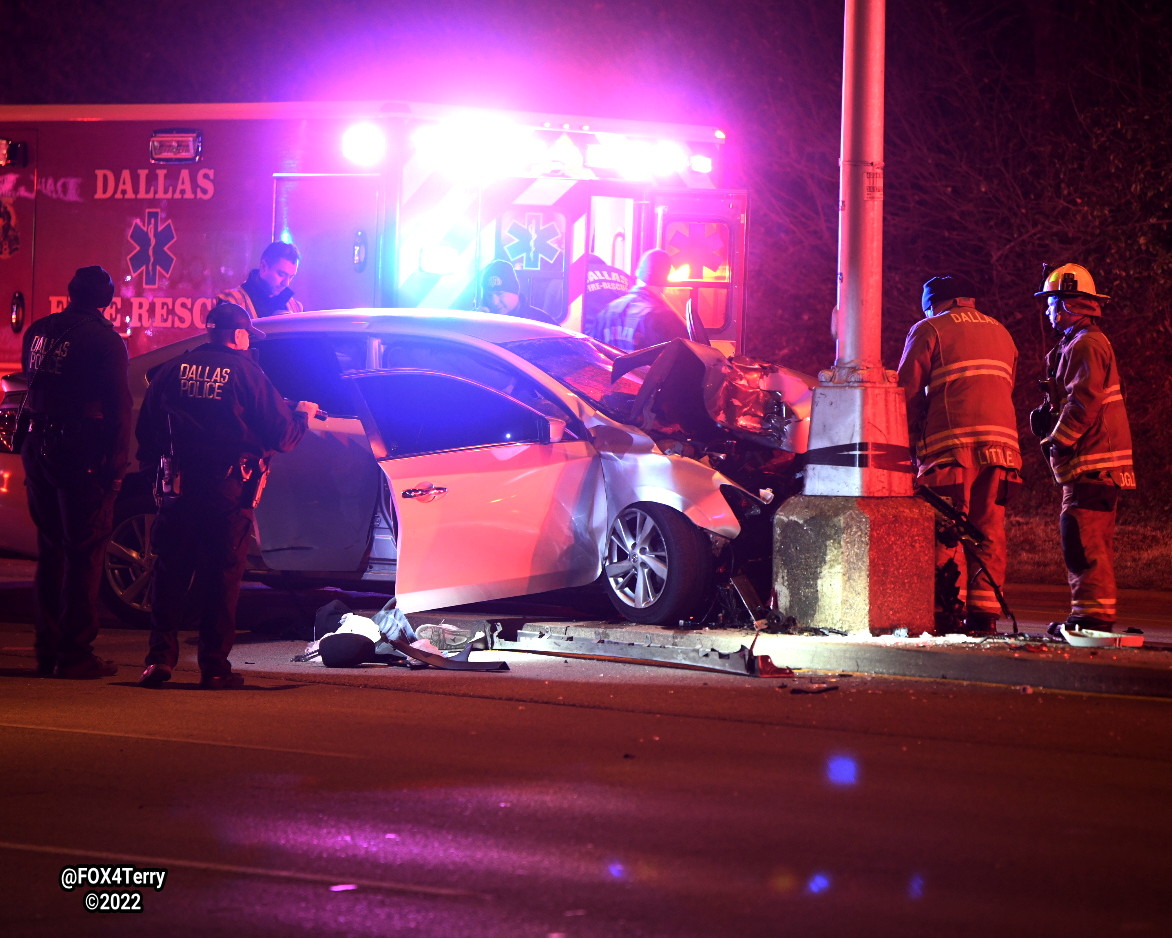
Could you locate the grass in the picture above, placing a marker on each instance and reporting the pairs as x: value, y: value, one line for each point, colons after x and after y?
x: 1143, y: 551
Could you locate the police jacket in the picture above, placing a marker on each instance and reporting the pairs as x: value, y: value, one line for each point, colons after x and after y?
x: 214, y: 405
x: 253, y: 296
x: 76, y: 365
x: 957, y: 373
x: 1092, y: 434
x: 640, y: 319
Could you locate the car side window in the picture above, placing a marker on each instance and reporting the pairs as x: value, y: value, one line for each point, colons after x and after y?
x: 310, y: 368
x: 417, y: 412
x: 452, y: 359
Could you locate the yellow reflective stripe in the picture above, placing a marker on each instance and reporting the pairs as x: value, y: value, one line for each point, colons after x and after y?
x: 986, y: 367
x: 970, y: 436
x: 1098, y: 608
x: 1063, y: 435
x: 1117, y: 459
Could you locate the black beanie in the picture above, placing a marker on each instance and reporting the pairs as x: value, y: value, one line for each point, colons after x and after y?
x: 499, y: 275
x: 947, y: 287
x: 91, y: 288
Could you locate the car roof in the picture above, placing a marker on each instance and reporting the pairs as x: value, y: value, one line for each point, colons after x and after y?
x: 488, y: 327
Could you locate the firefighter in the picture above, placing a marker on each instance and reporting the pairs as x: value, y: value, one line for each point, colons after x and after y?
x: 500, y: 293
x: 957, y: 373
x: 643, y: 317
x: 75, y: 455
x: 210, y: 420
x: 266, y: 292
x: 1087, y: 442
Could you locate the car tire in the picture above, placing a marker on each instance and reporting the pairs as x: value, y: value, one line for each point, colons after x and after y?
x: 657, y: 566
x: 129, y: 563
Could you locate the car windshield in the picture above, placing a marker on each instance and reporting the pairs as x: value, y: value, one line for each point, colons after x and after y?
x: 584, y: 367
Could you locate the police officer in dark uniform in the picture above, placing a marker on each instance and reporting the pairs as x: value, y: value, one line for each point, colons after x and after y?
x: 75, y: 455
x: 210, y: 420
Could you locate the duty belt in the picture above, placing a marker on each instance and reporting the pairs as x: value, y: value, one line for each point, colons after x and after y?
x: 43, y: 423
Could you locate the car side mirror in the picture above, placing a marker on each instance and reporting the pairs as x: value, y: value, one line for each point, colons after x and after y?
x: 557, y: 430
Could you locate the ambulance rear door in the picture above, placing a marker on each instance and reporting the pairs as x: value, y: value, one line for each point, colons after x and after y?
x: 335, y: 219
x: 18, y: 212
x: 703, y: 231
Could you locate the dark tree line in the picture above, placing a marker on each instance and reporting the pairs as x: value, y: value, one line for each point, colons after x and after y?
x: 1017, y: 131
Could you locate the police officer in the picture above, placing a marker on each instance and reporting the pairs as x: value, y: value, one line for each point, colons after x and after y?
x: 266, y: 292
x: 1086, y: 438
x: 957, y: 373
x: 210, y: 420
x: 75, y: 455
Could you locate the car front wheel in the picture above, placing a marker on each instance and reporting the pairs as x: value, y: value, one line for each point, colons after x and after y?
x: 658, y: 566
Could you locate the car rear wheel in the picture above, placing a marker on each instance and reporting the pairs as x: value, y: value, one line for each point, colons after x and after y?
x: 658, y: 565
x: 129, y: 566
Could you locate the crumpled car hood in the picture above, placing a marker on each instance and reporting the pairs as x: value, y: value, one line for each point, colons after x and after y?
x: 693, y: 391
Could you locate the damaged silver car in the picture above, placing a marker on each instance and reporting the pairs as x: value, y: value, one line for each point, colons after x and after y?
x: 469, y: 457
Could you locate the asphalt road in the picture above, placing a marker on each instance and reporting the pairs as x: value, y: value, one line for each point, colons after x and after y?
x: 572, y: 797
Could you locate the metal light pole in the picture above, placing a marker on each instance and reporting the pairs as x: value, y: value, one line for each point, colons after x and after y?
x: 846, y: 556
x: 858, y: 429
x: 858, y: 317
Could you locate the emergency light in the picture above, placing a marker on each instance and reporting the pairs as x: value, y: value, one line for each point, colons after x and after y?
x: 364, y: 144
x: 176, y: 145
x: 13, y: 153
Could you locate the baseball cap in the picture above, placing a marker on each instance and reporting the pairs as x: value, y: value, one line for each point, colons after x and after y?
x: 229, y: 316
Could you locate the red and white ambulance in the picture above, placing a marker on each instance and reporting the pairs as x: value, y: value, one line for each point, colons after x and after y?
x: 390, y: 204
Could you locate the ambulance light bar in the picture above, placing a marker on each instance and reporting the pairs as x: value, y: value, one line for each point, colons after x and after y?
x: 478, y: 147
x: 176, y: 145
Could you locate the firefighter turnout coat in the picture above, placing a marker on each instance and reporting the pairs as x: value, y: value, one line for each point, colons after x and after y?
x: 957, y: 372
x: 253, y: 296
x: 1092, y: 434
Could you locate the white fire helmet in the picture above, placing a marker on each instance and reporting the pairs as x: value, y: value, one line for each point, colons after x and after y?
x: 1069, y: 280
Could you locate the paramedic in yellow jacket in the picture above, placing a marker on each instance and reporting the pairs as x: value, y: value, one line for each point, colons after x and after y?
x: 266, y: 292
x: 957, y: 373
x: 1088, y: 444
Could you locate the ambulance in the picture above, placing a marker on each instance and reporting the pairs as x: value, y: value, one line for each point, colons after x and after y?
x: 391, y: 205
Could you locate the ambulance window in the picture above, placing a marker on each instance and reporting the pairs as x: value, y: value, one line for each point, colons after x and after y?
x: 700, y: 269
x: 309, y: 368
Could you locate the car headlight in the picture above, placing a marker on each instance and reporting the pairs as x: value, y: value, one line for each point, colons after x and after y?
x: 743, y: 504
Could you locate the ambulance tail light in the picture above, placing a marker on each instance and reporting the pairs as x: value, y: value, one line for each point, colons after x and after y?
x: 364, y: 144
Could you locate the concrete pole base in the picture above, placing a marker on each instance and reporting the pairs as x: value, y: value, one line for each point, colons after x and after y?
x: 864, y: 566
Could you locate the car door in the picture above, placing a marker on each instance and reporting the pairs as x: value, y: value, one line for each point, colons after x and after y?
x: 320, y: 497
x: 492, y: 499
